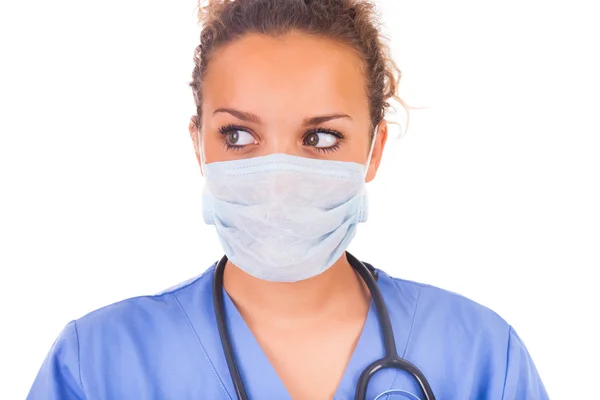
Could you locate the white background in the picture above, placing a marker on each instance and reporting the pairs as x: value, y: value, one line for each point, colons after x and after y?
x: 494, y: 192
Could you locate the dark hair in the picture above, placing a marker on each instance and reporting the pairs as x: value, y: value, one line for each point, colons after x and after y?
x: 351, y: 22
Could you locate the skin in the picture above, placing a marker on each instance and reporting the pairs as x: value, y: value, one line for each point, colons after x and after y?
x: 273, y: 89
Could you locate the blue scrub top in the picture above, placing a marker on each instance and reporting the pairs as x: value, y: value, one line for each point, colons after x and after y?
x: 167, y: 346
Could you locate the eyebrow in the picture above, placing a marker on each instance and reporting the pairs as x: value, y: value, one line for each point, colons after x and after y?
x: 323, y: 118
x: 249, y: 117
x: 244, y: 116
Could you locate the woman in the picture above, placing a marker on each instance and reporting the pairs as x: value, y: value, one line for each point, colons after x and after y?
x: 290, y: 97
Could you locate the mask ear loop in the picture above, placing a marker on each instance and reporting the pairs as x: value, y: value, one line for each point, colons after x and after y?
x: 368, y: 164
x: 201, y: 150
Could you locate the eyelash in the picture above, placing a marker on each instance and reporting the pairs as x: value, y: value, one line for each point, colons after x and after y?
x: 224, y: 130
x: 331, y: 149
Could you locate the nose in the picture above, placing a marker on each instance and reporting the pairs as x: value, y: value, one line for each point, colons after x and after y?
x: 281, y: 142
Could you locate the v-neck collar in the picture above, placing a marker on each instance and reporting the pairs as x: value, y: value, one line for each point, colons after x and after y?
x: 260, y: 378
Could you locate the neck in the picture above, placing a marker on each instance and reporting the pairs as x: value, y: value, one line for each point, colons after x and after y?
x: 337, y: 290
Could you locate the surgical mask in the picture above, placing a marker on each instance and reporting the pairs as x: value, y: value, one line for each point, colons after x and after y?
x: 284, y: 218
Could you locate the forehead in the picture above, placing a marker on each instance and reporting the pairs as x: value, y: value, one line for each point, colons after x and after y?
x: 270, y: 75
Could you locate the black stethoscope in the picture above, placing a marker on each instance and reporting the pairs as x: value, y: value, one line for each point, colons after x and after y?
x: 391, y: 359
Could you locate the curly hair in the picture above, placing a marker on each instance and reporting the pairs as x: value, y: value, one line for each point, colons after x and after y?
x: 351, y: 22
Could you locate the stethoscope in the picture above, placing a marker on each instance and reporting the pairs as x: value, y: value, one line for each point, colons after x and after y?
x: 390, y: 360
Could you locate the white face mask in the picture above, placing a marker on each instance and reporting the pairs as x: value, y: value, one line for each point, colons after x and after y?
x: 285, y: 218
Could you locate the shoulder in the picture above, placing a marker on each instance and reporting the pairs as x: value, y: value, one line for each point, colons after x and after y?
x: 484, y: 345
x: 452, y: 336
x: 449, y: 324
x: 138, y: 338
x: 143, y: 311
x: 437, y: 305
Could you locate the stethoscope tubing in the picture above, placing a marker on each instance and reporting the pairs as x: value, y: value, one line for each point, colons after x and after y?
x: 219, y: 305
x: 391, y: 359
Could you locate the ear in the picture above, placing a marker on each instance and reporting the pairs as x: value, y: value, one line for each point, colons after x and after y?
x: 380, y: 140
x: 194, y: 134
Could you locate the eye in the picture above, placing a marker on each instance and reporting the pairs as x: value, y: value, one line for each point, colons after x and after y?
x: 239, y: 138
x: 236, y: 137
x: 322, y: 139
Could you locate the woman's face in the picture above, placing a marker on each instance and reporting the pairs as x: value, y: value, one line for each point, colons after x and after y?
x: 294, y: 94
